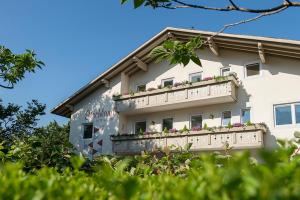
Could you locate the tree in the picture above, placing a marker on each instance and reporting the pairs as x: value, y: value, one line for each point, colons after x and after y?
x: 45, y: 146
x: 16, y: 123
x: 14, y: 66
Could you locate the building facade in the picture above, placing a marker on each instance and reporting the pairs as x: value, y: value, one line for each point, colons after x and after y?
x: 244, y: 96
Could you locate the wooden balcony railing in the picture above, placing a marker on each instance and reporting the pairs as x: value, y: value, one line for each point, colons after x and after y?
x: 208, y: 92
x: 246, y: 137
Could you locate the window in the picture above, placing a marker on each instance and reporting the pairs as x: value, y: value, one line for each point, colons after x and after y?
x: 87, y: 131
x: 141, y: 88
x: 287, y: 114
x: 245, y: 116
x: 140, y: 127
x: 196, y: 77
x: 283, y: 114
x: 196, y: 121
x: 225, y: 71
x: 167, y: 123
x: 252, y: 69
x: 167, y: 82
x: 297, y: 111
x: 226, y: 118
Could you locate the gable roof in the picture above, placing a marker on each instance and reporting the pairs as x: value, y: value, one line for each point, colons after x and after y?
x: 271, y: 46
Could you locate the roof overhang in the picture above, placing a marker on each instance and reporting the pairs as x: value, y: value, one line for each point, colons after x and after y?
x: 260, y: 45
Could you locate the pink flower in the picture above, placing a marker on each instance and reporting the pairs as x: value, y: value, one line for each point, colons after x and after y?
x: 238, y: 125
x: 196, y: 128
x: 172, y: 130
x: 208, y: 78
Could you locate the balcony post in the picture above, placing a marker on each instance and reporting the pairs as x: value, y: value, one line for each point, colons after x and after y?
x: 124, y: 83
x: 234, y: 138
x: 186, y: 93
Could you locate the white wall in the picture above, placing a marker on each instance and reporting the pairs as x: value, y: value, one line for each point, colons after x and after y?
x: 107, y: 120
x: 278, y: 83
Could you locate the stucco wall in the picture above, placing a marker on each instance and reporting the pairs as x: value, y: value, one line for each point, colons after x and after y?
x: 278, y: 83
x: 97, y: 108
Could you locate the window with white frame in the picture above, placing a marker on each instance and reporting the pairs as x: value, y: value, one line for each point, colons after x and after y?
x: 141, y: 88
x: 226, y: 118
x: 297, y: 113
x: 88, y: 131
x: 167, y: 82
x: 287, y: 114
x: 245, y: 115
x: 167, y: 123
x: 196, y: 121
x: 140, y: 127
x: 225, y: 71
x: 196, y: 77
x: 252, y: 69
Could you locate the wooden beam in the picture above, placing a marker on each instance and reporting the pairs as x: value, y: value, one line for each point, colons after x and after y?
x: 106, y: 82
x: 140, y: 64
x: 170, y: 36
x: 213, y: 47
x: 70, y: 107
x: 124, y: 83
x: 261, y: 52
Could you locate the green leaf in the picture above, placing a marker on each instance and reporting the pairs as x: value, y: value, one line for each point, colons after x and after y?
x: 169, y: 44
x: 124, y: 1
x: 138, y: 3
x: 196, y: 60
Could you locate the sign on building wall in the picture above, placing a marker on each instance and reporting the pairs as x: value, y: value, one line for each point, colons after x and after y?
x: 101, y: 118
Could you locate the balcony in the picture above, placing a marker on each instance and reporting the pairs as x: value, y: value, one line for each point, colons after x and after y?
x: 246, y: 137
x: 208, y: 92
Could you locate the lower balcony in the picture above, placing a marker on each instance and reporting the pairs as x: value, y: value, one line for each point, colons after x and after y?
x: 206, y: 92
x: 244, y: 137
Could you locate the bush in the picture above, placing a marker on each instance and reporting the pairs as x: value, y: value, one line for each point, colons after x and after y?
x: 163, y: 176
x: 47, y: 146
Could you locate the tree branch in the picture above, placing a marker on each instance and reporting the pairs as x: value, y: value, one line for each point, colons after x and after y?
x: 232, y: 7
x: 246, y: 21
x: 6, y: 87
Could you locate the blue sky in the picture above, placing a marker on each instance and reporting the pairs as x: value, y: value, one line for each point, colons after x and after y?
x: 78, y: 40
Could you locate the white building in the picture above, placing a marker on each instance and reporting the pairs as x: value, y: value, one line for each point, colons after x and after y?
x: 242, y: 79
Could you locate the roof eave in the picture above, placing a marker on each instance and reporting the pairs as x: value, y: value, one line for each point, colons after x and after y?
x: 63, y: 108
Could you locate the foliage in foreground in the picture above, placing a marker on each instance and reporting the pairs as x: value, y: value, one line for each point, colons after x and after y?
x: 47, y: 146
x: 178, y: 176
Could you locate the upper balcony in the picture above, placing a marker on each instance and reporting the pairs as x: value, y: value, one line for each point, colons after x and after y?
x: 206, y: 92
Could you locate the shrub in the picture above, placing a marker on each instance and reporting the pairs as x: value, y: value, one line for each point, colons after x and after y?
x: 248, y: 123
x: 163, y: 176
x: 205, y: 127
x: 229, y: 125
x: 184, y: 129
x: 47, y: 146
x: 165, y: 130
